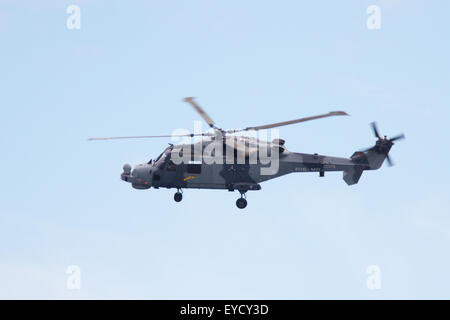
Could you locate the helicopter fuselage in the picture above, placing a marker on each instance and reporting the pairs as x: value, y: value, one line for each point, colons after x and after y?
x: 244, y: 175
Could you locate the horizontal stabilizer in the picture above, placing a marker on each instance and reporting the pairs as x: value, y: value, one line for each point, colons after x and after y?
x: 352, y: 175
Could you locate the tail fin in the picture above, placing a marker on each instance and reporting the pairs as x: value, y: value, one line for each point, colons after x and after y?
x: 372, y: 158
x: 352, y: 175
x: 368, y: 160
x: 376, y: 156
x: 378, y: 153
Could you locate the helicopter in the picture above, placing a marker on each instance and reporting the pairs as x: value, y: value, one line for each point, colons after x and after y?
x: 222, y: 160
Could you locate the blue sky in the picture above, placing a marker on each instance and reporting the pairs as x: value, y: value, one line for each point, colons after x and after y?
x: 248, y: 63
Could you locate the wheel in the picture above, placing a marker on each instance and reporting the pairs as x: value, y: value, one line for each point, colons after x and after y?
x: 178, y: 197
x: 241, y: 203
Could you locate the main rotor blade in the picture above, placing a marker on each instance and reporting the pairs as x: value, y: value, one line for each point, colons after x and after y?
x: 399, y: 137
x: 202, y: 112
x: 146, y: 137
x: 375, y: 130
x: 285, y: 123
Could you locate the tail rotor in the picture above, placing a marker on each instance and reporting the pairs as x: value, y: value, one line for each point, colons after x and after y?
x: 383, y: 145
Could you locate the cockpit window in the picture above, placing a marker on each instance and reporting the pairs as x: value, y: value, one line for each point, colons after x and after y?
x: 159, y: 157
x: 159, y: 162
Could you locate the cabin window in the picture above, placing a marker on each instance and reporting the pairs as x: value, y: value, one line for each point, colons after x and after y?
x: 194, y: 168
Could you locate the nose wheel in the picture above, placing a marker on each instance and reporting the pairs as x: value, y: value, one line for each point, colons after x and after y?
x: 178, y: 196
x: 241, y: 203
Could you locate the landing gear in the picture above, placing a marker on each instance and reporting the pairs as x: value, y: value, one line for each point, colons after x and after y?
x: 241, y: 203
x: 178, y: 196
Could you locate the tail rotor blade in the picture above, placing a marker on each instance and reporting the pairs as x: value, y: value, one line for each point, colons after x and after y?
x: 399, y: 137
x: 389, y: 161
x: 375, y: 130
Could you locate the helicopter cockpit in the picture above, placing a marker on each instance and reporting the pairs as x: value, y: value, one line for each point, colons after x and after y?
x: 161, y: 159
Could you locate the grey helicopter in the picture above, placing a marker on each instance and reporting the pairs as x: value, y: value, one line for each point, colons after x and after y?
x: 222, y: 160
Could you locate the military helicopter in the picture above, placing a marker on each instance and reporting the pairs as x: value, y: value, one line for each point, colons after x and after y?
x: 222, y: 160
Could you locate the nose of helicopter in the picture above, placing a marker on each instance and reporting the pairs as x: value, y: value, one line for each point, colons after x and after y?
x: 126, y: 174
x: 139, y: 177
